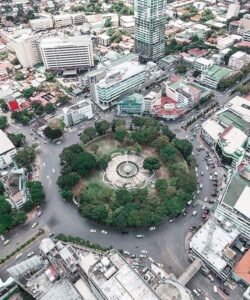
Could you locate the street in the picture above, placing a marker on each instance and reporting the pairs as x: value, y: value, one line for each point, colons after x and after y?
x: 165, y: 245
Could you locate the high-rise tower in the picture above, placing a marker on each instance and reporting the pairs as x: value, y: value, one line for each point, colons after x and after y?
x: 150, y: 18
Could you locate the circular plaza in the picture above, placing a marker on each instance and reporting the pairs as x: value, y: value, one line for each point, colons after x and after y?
x: 126, y: 171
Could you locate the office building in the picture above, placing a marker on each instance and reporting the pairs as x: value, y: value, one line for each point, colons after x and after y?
x: 67, y: 53
x: 132, y: 104
x: 238, y: 60
x: 78, y: 112
x: 7, y: 150
x: 118, y: 81
x: 233, y: 10
x: 150, y: 21
x: 212, y: 75
x: 41, y: 24
x: 201, y: 64
x: 27, y: 50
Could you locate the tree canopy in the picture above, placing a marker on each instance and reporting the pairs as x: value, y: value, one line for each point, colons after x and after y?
x: 26, y: 156
x: 151, y: 163
x: 3, y: 122
x: 52, y: 133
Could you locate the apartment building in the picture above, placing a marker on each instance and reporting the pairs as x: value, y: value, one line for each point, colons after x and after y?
x: 65, y: 53
x: 238, y: 60
x: 62, y: 20
x: 233, y: 10
x: 127, y: 23
x: 212, y: 76
x: 41, y: 24
x: 201, y: 64
x: 78, y: 112
x: 7, y: 150
x: 27, y: 50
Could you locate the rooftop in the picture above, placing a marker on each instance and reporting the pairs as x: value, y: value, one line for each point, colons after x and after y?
x: 236, y: 191
x: 213, y: 129
x: 65, y: 41
x: 134, y: 99
x: 121, y: 72
x: 243, y: 267
x: 217, y: 73
x: 5, y: 143
x: 233, y: 139
x: 118, y: 281
x: 219, y: 242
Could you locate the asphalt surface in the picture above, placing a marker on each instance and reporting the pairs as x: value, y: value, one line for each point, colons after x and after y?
x: 165, y: 245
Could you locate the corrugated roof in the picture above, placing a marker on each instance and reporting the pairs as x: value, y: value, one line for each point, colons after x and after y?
x: 5, y: 143
x: 243, y: 267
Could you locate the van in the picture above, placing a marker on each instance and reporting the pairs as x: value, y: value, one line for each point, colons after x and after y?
x: 215, y: 289
x: 201, y: 186
x: 6, y: 242
x: 194, y: 213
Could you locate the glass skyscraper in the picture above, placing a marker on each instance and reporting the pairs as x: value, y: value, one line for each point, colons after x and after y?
x: 150, y: 18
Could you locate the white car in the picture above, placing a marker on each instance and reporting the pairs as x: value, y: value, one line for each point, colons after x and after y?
x: 53, y: 171
x: 2, y: 238
x: 34, y: 224
x: 126, y: 252
x: 104, y: 232
x: 142, y: 256
x: 19, y: 255
x: 92, y: 230
x: 30, y: 254
x: 144, y: 251
x: 151, y: 259
x: 160, y: 265
x: 152, y: 228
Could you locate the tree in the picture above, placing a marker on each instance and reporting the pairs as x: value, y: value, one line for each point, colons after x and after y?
x: 67, y: 195
x: 27, y: 93
x: 103, y: 161
x: 52, y: 133
x: 207, y: 15
x: 117, y: 123
x: 23, y: 116
x: 19, y: 76
x: 184, y: 146
x: 181, y: 68
x: 68, y: 181
x: 138, y: 121
x: 120, y: 134
x: 36, y: 193
x: 2, y: 189
x: 108, y: 22
x: 90, y: 132
x: 49, y: 76
x: 160, y: 142
x: 168, y: 153
x: 63, y: 99
x: 17, y: 139
x: 196, y: 73
x: 83, y: 163
x: 166, y: 131
x: 151, y: 163
x: 49, y: 108
x: 102, y: 127
x: 26, y: 156
x: 37, y: 108
x: 3, y: 122
x: 84, y: 138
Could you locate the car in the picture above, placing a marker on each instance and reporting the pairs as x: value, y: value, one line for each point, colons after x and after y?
x: 133, y: 256
x: 160, y: 265
x: 6, y: 242
x: 30, y: 254
x: 189, y: 202
x: 19, y: 255
x: 184, y: 213
x: 150, y: 259
x: 92, y: 230
x: 58, y: 143
x: 53, y: 171
x: 34, y: 224
x: 39, y: 213
x: 104, y: 232
x: 202, y: 173
x: 144, y: 251
x: 51, y: 234
x: 171, y: 220
x: 152, y: 228
x: 142, y: 255
x: 215, y: 289
x: 201, y: 186
x: 207, y: 168
x: 2, y: 238
x: 198, y: 192
x: 194, y: 213
x: 139, y: 236
x: 211, y: 278
x: 124, y: 232
x: 196, y: 292
x: 204, y: 216
x: 126, y: 252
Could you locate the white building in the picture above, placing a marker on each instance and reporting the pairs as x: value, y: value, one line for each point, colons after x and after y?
x: 41, y: 24
x: 238, y: 60
x: 67, y: 53
x: 26, y: 48
x: 62, y: 20
x: 127, y: 23
x: 104, y: 39
x: 78, y: 112
x: 7, y: 151
x: 228, y: 41
x: 233, y: 10
x: 201, y: 64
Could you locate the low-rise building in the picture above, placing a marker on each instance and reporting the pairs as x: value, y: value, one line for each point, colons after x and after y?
x: 241, y: 272
x: 227, y: 41
x: 62, y: 20
x: 78, y: 112
x: 127, y: 23
x: 7, y: 150
x: 132, y: 104
x: 202, y: 64
x: 212, y: 76
x: 238, y: 60
x: 211, y: 131
x: 104, y: 39
x: 41, y: 24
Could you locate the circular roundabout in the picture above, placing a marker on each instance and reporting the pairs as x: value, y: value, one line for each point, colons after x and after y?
x: 126, y: 171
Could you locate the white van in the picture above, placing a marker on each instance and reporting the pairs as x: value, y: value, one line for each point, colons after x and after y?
x: 196, y: 292
x: 215, y: 289
x: 201, y: 186
x: 194, y: 213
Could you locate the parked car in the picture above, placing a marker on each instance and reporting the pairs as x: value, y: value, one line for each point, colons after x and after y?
x: 194, y: 213
x: 39, y: 213
x: 19, y: 255
x: 139, y: 236
x: 34, y: 224
x: 6, y: 242
x: 30, y: 254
